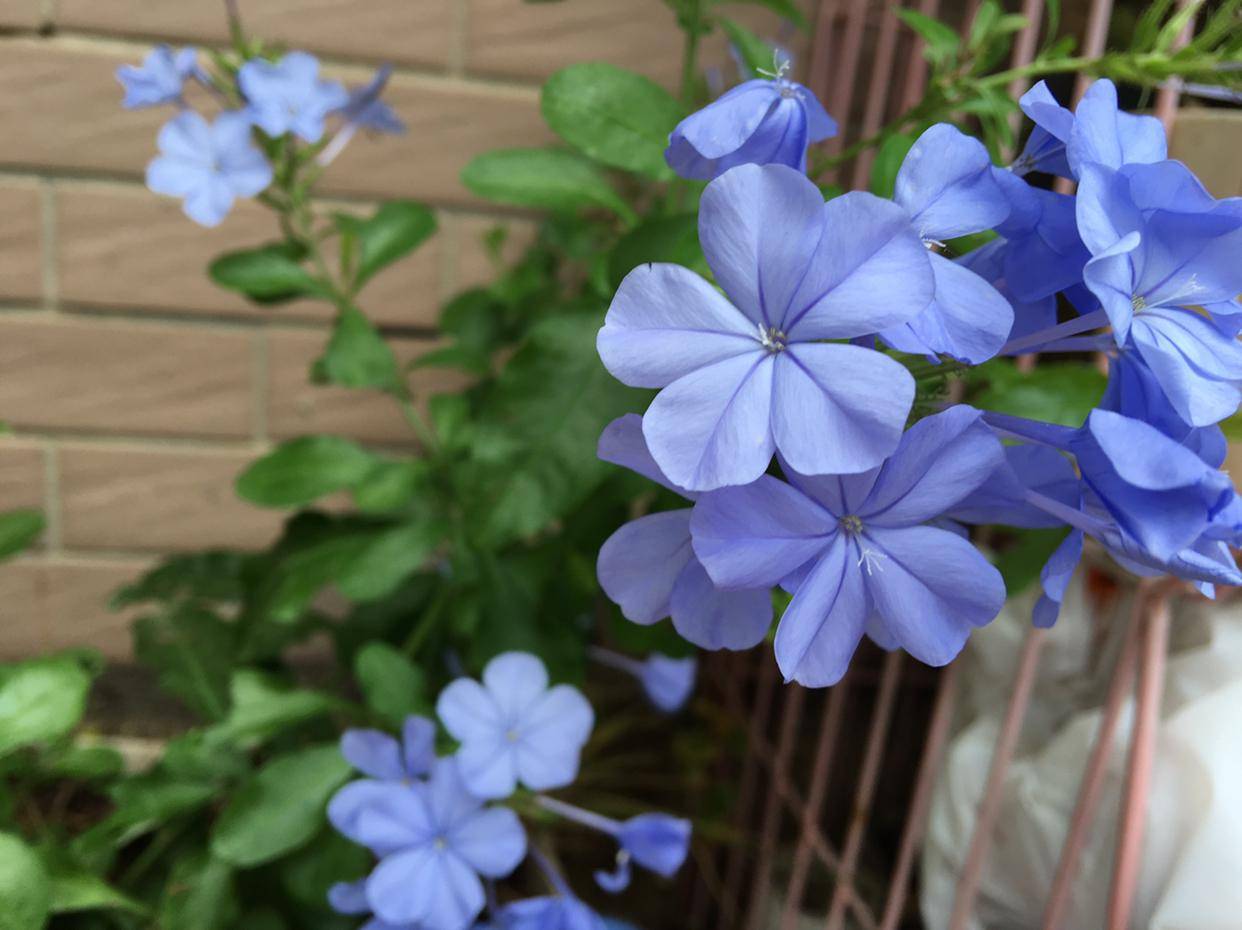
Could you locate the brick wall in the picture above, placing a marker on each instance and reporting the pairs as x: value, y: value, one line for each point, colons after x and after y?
x: 134, y: 389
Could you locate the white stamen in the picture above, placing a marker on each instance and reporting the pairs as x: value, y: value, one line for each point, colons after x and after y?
x: 773, y: 339
x: 871, y: 559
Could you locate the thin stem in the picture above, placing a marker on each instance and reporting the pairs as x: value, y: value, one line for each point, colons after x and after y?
x: 691, y: 25
x: 1032, y: 343
x: 615, y: 660
x: 550, y: 872
x: 1068, y: 515
x: 578, y: 815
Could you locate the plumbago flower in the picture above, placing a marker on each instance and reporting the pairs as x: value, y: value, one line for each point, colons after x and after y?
x: 649, y: 569
x: 208, y: 164
x: 859, y: 553
x: 667, y: 682
x: 514, y: 729
x: 743, y: 375
x: 760, y: 122
x: 160, y: 79
x: 288, y: 95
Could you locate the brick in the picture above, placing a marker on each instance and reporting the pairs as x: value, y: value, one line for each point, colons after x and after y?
x: 62, y: 111
x: 474, y: 265
x: 48, y: 604
x: 133, y: 498
x: 122, y: 246
x: 1208, y: 141
x: 21, y: 272
x: 102, y: 376
x: 407, y: 31
x: 520, y: 39
x: 297, y: 407
x: 21, y: 475
x: 25, y: 14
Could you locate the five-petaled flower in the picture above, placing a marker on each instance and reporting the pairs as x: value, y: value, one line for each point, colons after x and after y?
x: 160, y: 79
x: 289, y: 96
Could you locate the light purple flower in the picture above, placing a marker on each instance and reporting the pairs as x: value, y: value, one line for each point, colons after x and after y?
x: 160, y: 79
x: 514, y: 729
x: 857, y: 551
x: 649, y: 569
x: 667, y: 682
x: 366, y: 110
x: 209, y: 165
x: 554, y: 912
x: 379, y: 756
x: 289, y: 96
x: 742, y: 376
x: 350, y: 898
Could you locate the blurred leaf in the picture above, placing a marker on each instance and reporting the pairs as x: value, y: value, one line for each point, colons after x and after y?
x: 280, y: 808
x: 41, y: 700
x: 303, y: 470
x: 545, y: 179
x: 1056, y: 393
x: 357, y: 356
x: 661, y: 239
x: 82, y: 891
x: 888, y: 158
x: 307, y: 875
x: 786, y: 9
x: 83, y: 763
x: 612, y: 115
x: 18, y: 530
x: 378, y: 565
x: 199, y: 895
x: 397, y: 229
x: 201, y: 576
x: 392, y: 685
x: 269, y: 274
x: 1021, y: 563
x: 262, y: 707
x: 390, y: 486
x: 757, y: 54
x: 942, y: 40
x: 25, y: 890
x: 191, y: 650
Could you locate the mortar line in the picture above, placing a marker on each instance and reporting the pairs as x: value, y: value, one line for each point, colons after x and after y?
x: 48, y: 245
x: 461, y: 32
x: 260, y: 392
x: 52, y: 500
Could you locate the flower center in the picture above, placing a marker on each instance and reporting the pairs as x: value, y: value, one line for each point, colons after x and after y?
x: 773, y: 339
x: 440, y: 843
x: 851, y: 524
x: 1138, y: 302
x: 511, y: 736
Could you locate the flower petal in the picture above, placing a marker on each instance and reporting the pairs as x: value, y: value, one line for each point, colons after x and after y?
x: 622, y: 443
x: 725, y: 124
x: 1198, y: 368
x: 373, y: 753
x: 492, y: 842
x: 516, y: 680
x: 418, y: 745
x: 715, y: 619
x: 468, y: 711
x: 349, y: 897
x: 1104, y: 134
x: 551, y: 737
x: 946, y: 185
x: 382, y: 816
x: 430, y: 888
x: 857, y: 399
x: 639, y: 564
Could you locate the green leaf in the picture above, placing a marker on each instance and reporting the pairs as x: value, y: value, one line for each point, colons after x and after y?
x: 612, y: 115
x: 307, y: 875
x: 357, y: 355
x: 303, y: 470
x: 397, y: 229
x: 1021, y: 563
x: 191, y: 650
x: 263, y: 707
x: 786, y: 9
x: 392, y: 685
x: 661, y: 239
x: 758, y: 55
x: 942, y: 40
x: 887, y: 164
x: 201, y: 576
x: 82, y: 891
x: 377, y: 566
x: 545, y: 179
x: 1055, y: 393
x: 199, y: 895
x: 84, y: 763
x: 269, y: 274
x: 288, y: 589
x: 18, y: 530
x: 25, y: 890
x: 41, y: 700
x: 390, y: 486
x: 281, y: 808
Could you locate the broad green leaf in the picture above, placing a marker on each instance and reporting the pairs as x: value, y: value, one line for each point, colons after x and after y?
x: 18, y: 530
x: 199, y: 895
x: 390, y: 486
x: 25, y: 890
x: 307, y: 875
x: 392, y: 685
x: 662, y: 239
x: 397, y: 229
x: 83, y: 763
x: 289, y: 588
x: 613, y: 115
x: 758, y: 55
x: 303, y: 470
x: 82, y: 891
x: 191, y: 650
x: 281, y: 808
x: 786, y: 9
x: 41, y: 700
x: 357, y: 355
x: 262, y: 707
x: 269, y: 274
x: 1054, y: 393
x: 379, y: 564
x: 202, y: 576
x: 545, y: 179
x: 1021, y: 563
x: 942, y: 40
x: 888, y: 159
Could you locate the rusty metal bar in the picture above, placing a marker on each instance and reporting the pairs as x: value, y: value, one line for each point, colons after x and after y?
x: 1169, y: 96
x: 877, y: 94
x: 916, y: 68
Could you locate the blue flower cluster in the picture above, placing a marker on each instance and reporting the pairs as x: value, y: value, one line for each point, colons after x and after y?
x: 210, y: 162
x: 436, y: 828
x: 791, y: 353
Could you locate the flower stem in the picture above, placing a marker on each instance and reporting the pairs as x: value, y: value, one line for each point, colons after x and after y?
x: 584, y: 817
x: 615, y: 660
x: 1034, y: 341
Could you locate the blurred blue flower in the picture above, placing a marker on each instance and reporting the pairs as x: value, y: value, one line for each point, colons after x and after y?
x: 350, y: 898
x: 434, y: 840
x: 667, y: 682
x: 288, y: 96
x: 366, y: 110
x: 742, y: 375
x: 160, y: 79
x: 514, y: 729
x: 857, y: 551
x: 379, y: 756
x: 1043, y: 253
x: 947, y: 189
x: 555, y: 912
x: 209, y: 165
x: 760, y: 122
x: 649, y: 569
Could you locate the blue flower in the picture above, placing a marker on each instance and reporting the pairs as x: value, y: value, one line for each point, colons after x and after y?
x: 379, y: 756
x: 555, y: 912
x: 742, y: 376
x: 760, y: 122
x: 947, y: 189
x: 1154, y: 266
x: 857, y: 552
x: 434, y: 840
x: 649, y: 569
x: 989, y: 262
x: 1043, y: 253
x: 350, y: 898
x: 667, y: 682
x: 288, y: 96
x: 366, y: 110
x: 160, y: 79
x: 209, y: 165
x: 514, y: 729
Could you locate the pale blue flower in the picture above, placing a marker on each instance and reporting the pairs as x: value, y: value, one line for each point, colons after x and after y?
x: 161, y: 78
x: 289, y: 96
